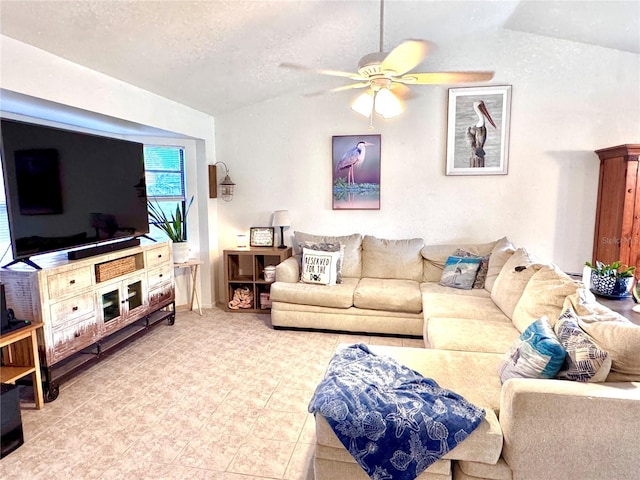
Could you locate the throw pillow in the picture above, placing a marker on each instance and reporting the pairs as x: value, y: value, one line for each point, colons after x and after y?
x: 536, y: 354
x: 481, y: 276
x: 460, y: 272
x: 352, y: 261
x: 319, y: 267
x: 327, y: 247
x: 544, y: 295
x: 512, y: 280
x: 585, y: 361
x: 500, y: 253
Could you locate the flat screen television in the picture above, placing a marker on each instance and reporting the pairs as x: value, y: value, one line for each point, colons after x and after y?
x: 66, y: 189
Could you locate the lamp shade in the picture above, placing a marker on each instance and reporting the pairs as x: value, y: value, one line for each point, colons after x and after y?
x: 387, y: 104
x: 281, y: 218
x: 363, y: 104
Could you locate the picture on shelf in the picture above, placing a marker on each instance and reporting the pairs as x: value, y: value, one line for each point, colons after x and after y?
x: 261, y: 236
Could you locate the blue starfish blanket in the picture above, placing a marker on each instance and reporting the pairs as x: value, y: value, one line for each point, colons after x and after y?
x: 394, y: 421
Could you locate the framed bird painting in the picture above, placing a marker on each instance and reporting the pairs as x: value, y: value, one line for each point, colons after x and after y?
x: 478, y: 130
x: 356, y: 172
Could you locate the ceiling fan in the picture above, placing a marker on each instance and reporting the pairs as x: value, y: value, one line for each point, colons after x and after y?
x: 386, y: 76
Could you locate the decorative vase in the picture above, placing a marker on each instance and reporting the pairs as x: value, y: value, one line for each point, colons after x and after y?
x: 180, y: 252
x: 610, y: 286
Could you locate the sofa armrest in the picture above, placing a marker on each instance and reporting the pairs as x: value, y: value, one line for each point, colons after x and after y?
x: 289, y: 270
x: 563, y: 429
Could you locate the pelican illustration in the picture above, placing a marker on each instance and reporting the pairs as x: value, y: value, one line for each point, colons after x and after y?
x: 477, y: 135
x: 353, y: 158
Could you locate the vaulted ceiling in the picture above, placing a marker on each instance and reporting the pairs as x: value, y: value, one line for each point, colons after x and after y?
x: 221, y: 55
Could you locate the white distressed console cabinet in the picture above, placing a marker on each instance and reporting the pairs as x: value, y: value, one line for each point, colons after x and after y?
x: 91, y: 305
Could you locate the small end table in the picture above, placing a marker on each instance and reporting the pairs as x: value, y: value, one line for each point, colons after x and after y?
x: 623, y: 307
x: 192, y: 264
x: 20, y: 358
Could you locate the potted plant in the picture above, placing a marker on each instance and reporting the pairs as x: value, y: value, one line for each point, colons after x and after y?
x: 611, y: 280
x: 174, y: 226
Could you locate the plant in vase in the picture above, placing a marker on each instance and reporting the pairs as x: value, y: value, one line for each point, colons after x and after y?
x: 611, y: 280
x: 174, y: 226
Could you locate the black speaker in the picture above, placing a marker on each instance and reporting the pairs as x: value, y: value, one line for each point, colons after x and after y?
x: 4, y: 316
x: 11, y: 436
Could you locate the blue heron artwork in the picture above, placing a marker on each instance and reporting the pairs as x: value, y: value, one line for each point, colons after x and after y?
x: 356, y: 172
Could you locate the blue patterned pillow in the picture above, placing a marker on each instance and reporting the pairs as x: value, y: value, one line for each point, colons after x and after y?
x: 536, y: 354
x: 585, y: 361
x: 460, y: 272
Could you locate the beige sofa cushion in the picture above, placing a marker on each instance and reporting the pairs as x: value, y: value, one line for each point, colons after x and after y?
x: 500, y: 253
x: 399, y: 259
x: 445, y: 305
x: 512, y: 281
x: 469, y: 335
x: 544, y: 295
x: 621, y: 340
x: 435, y: 257
x: 337, y: 296
x: 388, y: 294
x: 352, y: 260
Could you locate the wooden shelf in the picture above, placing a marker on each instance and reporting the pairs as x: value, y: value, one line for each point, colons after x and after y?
x: 244, y: 267
x: 20, y: 358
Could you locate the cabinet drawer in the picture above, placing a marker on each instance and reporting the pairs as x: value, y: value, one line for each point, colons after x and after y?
x: 68, y: 311
x: 161, y: 296
x: 72, y: 281
x: 74, y: 338
x: 159, y: 276
x: 157, y: 256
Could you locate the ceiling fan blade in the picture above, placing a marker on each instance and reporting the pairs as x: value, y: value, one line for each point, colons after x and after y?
x: 401, y: 91
x: 338, y: 89
x: 406, y: 56
x: 322, y: 71
x: 350, y: 86
x: 444, y: 78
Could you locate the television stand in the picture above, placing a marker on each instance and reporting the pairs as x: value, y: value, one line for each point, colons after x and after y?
x: 88, y: 307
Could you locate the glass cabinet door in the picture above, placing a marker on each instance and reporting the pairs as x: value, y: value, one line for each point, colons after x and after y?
x: 134, y: 295
x: 110, y: 305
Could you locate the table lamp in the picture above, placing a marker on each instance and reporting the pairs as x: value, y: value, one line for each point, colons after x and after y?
x: 281, y: 219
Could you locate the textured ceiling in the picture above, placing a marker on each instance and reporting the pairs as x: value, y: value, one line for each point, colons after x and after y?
x: 217, y: 56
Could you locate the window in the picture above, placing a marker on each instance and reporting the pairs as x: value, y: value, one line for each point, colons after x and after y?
x: 164, y: 172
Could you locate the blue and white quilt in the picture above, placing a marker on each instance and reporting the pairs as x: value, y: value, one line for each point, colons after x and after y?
x: 394, y: 421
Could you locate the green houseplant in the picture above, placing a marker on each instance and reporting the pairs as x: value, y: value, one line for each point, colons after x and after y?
x: 174, y: 226
x: 611, y: 280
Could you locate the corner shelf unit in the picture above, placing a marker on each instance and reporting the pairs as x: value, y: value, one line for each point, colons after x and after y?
x: 244, y: 267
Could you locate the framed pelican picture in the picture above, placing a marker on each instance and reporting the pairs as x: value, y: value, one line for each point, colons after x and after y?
x: 356, y: 172
x: 478, y: 130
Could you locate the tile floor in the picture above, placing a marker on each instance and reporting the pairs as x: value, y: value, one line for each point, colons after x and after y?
x: 217, y: 397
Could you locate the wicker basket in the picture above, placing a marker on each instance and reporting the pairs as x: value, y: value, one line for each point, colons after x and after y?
x: 115, y: 268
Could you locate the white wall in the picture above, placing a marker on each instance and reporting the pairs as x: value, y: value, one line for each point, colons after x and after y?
x: 569, y: 99
x: 30, y: 71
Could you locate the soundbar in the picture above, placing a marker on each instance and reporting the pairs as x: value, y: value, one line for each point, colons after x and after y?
x: 104, y: 248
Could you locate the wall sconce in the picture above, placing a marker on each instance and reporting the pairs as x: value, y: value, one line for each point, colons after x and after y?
x: 227, y: 186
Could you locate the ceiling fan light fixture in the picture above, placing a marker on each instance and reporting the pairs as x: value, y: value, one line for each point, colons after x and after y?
x: 387, y: 104
x: 363, y: 104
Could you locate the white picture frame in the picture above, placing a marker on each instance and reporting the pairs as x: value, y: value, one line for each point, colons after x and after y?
x: 466, y: 153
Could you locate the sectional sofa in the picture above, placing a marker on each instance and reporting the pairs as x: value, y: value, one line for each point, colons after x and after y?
x: 533, y: 428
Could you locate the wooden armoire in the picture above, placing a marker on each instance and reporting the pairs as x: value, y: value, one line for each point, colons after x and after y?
x: 617, y: 232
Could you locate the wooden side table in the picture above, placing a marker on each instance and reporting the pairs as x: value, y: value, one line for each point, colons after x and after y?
x: 20, y: 358
x: 192, y: 264
x: 244, y: 268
